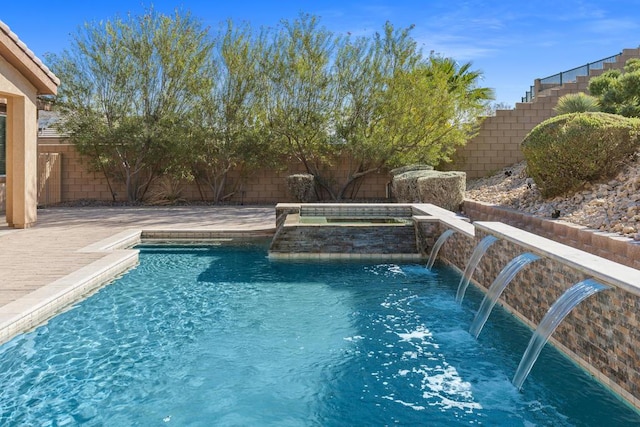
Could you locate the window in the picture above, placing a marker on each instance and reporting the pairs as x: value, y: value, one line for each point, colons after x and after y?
x: 3, y: 144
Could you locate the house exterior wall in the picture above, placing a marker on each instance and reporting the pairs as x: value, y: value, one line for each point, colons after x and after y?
x: 3, y: 194
x: 20, y: 181
x: 22, y: 78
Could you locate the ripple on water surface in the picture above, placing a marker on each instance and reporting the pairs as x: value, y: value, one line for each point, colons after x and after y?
x: 223, y: 336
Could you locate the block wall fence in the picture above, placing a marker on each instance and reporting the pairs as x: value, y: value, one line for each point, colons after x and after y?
x: 497, y: 144
x: 263, y: 186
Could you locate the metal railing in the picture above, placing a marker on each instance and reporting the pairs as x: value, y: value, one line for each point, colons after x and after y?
x: 568, y: 76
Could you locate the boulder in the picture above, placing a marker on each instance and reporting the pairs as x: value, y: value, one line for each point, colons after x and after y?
x: 405, y: 186
x: 444, y: 189
x: 410, y: 168
x: 302, y: 187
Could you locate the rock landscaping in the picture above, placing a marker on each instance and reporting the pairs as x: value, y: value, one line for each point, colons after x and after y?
x: 612, y: 205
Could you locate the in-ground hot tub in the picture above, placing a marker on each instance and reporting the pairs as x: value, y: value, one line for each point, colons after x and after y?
x: 345, y: 231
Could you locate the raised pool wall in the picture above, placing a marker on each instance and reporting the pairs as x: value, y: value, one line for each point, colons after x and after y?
x: 602, y: 334
x: 357, y: 239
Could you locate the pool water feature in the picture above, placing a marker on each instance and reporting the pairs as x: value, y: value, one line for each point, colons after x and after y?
x: 221, y: 335
x: 497, y: 287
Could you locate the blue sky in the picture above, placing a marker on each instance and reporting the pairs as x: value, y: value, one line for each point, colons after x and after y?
x: 511, y: 41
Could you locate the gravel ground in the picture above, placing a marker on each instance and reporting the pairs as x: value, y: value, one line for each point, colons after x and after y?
x: 611, y: 205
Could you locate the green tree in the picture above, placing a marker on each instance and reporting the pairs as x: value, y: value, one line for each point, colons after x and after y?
x: 231, y: 119
x: 619, y: 92
x: 429, y: 111
x: 371, y: 102
x: 128, y: 86
x: 400, y: 108
x: 299, y: 93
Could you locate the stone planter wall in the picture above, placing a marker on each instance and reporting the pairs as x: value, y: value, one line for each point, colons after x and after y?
x: 611, y: 246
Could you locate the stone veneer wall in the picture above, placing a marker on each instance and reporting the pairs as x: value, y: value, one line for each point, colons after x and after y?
x: 296, y: 239
x: 606, y: 245
x: 602, y: 333
x: 344, y: 239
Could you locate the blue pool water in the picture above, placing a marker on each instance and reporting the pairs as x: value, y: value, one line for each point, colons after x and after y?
x: 221, y: 336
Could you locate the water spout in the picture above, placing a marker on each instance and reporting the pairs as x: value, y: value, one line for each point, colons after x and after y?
x: 495, y: 290
x: 480, y: 249
x: 557, y: 312
x: 436, y: 247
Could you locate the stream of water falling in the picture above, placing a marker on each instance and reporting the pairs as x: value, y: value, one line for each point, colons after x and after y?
x: 477, y: 254
x: 436, y: 247
x: 495, y: 290
x: 557, y: 312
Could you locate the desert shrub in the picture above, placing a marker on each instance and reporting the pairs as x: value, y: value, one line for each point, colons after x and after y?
x: 577, y: 103
x: 167, y: 191
x: 618, y: 92
x: 301, y: 186
x: 565, y: 151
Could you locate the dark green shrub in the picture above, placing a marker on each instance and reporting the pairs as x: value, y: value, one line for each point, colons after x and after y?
x: 565, y: 151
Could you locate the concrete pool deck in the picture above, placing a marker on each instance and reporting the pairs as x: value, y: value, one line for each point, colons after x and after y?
x: 40, y: 264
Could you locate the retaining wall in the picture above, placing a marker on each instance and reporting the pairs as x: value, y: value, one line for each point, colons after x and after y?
x: 497, y: 144
x: 611, y: 246
x: 602, y: 333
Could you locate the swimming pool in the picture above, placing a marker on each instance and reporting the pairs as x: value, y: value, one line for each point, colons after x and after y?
x: 221, y: 335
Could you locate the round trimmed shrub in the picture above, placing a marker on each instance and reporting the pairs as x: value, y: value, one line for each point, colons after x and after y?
x: 566, y: 151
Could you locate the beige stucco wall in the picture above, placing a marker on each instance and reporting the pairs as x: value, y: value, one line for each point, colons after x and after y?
x: 22, y: 127
x: 3, y: 194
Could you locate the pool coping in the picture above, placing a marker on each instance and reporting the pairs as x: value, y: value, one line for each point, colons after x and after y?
x: 40, y: 305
